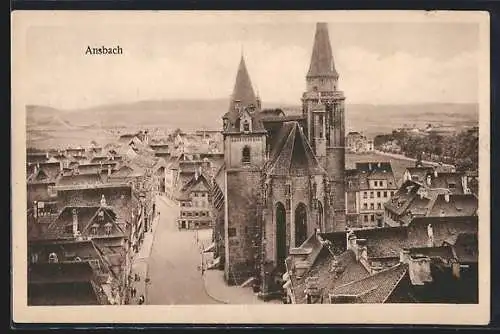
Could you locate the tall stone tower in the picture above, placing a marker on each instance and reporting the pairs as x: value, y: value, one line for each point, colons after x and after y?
x: 244, y: 157
x: 323, y: 107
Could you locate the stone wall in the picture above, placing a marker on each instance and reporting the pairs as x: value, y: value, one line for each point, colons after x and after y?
x: 242, y: 222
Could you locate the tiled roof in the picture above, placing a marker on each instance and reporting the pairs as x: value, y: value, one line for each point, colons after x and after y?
x: 389, y: 241
x: 61, y: 228
x: 330, y: 274
x: 80, y: 179
x: 292, y: 154
x: 374, y: 289
x: 458, y: 205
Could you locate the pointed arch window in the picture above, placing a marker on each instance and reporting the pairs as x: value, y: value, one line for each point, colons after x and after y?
x: 245, y: 155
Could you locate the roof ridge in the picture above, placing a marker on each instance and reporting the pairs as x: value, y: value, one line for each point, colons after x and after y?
x: 293, y: 136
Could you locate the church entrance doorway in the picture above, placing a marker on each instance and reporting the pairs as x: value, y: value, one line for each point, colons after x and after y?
x: 300, y: 224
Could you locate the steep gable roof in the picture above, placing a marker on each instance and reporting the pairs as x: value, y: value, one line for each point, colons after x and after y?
x: 292, y: 154
x: 373, y: 289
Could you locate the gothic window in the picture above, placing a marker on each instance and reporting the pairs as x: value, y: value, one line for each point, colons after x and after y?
x: 245, y: 155
x: 246, y: 126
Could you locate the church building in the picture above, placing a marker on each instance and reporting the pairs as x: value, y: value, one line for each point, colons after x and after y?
x: 283, y: 175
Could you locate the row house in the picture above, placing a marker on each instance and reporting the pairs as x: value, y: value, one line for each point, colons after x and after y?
x: 358, y: 143
x: 368, y: 187
x: 195, y: 208
x: 430, y: 260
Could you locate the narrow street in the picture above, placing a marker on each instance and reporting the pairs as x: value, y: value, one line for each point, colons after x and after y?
x: 174, y: 263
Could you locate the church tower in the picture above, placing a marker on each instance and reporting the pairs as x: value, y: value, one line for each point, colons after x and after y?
x: 323, y: 108
x: 244, y: 157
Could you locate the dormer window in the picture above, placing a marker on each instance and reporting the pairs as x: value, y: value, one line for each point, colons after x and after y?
x: 246, y: 126
x: 245, y: 155
x: 53, y: 258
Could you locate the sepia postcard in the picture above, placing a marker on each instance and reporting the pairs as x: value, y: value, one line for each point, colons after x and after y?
x: 313, y: 167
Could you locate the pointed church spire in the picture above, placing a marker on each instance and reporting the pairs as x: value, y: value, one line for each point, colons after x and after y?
x: 243, y: 90
x: 322, y: 59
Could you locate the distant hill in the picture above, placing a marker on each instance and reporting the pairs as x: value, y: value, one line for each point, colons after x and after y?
x: 48, y: 123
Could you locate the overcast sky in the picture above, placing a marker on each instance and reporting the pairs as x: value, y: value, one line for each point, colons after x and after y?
x: 379, y: 63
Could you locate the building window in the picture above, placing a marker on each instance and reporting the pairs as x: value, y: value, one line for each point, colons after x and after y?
x: 372, y: 206
x: 231, y: 232
x: 392, y: 193
x: 371, y: 194
x: 196, y: 214
x: 452, y: 185
x: 245, y: 155
x: 365, y: 194
x: 385, y: 194
x: 108, y: 229
x: 93, y: 230
x: 375, y: 183
x: 379, y: 206
x: 365, y: 218
x: 34, y: 258
x: 378, y: 194
x: 246, y: 126
x: 365, y: 206
x: 372, y: 218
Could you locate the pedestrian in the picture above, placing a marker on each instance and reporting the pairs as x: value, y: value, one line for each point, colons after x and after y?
x: 133, y: 292
x: 141, y: 300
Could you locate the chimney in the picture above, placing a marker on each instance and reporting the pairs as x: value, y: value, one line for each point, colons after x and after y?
x: 447, y: 197
x: 75, y: 222
x: 404, y: 256
x: 420, y: 270
x: 109, y: 170
x: 435, y: 173
x: 429, y: 179
x: 369, y: 166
